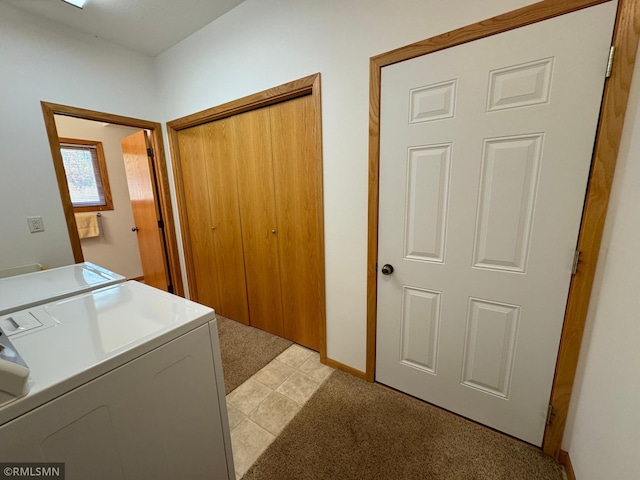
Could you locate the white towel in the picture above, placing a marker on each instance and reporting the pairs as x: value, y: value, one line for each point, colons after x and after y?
x: 87, y: 224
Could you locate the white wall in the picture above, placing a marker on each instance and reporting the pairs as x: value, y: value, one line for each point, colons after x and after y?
x: 41, y: 60
x: 264, y: 43
x: 603, y: 428
x: 117, y: 246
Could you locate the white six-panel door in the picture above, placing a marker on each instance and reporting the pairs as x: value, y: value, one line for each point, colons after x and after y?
x: 484, y: 159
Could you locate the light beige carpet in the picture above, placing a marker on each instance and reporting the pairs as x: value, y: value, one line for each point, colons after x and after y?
x: 351, y: 429
x: 245, y: 350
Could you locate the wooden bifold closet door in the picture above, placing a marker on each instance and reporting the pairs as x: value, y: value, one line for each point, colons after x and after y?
x: 214, y: 220
x: 252, y: 184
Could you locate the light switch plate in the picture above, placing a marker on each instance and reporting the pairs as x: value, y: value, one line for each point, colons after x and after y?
x: 35, y: 224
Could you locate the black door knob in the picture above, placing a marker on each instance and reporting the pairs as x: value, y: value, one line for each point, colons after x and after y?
x: 387, y: 269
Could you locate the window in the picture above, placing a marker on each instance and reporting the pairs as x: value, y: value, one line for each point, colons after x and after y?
x: 86, y: 172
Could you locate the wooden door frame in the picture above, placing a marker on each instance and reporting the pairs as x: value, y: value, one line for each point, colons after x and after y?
x: 614, y: 104
x: 309, y: 85
x: 49, y: 110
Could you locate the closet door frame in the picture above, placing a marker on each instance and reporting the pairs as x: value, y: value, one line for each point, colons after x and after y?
x: 309, y: 85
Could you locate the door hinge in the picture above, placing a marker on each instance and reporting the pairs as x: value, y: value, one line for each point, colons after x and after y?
x: 610, y: 61
x: 150, y: 152
x: 549, y: 414
x: 376, y: 267
x: 170, y: 288
x: 576, y: 260
x: 160, y: 224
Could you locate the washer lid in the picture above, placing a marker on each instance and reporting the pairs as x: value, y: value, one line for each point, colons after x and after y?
x: 24, y: 291
x: 82, y: 337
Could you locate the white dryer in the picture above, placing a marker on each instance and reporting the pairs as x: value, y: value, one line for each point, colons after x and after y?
x: 125, y: 382
x: 27, y: 290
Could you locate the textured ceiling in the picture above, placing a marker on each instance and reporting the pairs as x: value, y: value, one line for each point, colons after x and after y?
x: 146, y: 26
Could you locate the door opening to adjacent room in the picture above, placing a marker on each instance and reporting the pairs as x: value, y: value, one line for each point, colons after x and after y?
x: 114, y: 188
x: 482, y: 342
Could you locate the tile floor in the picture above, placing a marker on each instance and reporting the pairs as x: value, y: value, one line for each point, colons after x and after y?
x: 263, y: 405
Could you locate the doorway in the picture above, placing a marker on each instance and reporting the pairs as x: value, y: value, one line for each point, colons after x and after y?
x: 481, y: 197
x: 136, y: 227
x: 625, y: 41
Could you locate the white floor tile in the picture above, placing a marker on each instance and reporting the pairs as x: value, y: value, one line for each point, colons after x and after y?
x: 248, y: 441
x: 315, y: 369
x: 274, y: 374
x: 235, y: 416
x: 275, y: 412
x: 248, y: 396
x: 295, y: 355
x: 299, y: 387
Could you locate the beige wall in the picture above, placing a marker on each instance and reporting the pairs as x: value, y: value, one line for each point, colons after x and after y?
x: 117, y: 247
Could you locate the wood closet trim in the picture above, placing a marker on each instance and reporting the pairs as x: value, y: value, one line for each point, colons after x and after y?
x: 49, y: 110
x: 614, y: 106
x: 297, y: 88
x: 309, y: 85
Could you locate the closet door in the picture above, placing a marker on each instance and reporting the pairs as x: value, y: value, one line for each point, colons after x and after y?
x: 197, y: 199
x: 225, y: 222
x: 297, y: 169
x: 251, y: 138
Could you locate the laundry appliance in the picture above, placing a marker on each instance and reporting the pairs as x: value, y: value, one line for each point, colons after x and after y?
x: 27, y: 290
x: 124, y: 382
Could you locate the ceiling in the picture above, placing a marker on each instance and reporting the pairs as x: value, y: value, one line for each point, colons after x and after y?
x: 146, y: 26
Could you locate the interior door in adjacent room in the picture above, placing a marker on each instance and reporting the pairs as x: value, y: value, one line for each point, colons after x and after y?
x: 146, y: 212
x: 485, y: 151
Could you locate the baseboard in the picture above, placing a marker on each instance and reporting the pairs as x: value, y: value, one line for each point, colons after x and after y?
x: 565, y: 461
x: 345, y: 368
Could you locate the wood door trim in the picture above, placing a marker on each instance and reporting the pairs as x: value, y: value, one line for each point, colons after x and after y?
x: 616, y: 93
x: 345, y: 368
x: 565, y: 461
x: 309, y: 85
x: 281, y: 93
x: 49, y: 110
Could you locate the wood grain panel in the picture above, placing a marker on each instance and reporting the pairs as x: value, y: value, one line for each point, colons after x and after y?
x: 225, y: 228
x: 305, y: 86
x: 298, y: 193
x: 627, y: 31
x: 250, y: 136
x: 141, y: 182
x: 198, y: 213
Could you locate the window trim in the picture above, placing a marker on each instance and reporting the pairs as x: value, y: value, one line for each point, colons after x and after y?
x: 102, y: 167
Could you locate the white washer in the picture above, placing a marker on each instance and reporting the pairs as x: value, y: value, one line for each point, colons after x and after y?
x: 125, y: 382
x: 27, y: 290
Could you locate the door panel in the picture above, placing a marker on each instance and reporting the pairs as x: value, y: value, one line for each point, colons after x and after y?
x: 298, y: 184
x: 250, y: 136
x: 225, y: 220
x: 141, y: 182
x: 485, y: 155
x: 197, y: 197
